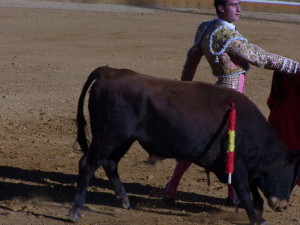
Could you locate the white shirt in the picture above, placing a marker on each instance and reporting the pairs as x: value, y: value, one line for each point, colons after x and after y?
x: 225, y: 23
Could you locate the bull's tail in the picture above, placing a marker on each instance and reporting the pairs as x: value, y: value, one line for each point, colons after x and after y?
x: 80, y: 119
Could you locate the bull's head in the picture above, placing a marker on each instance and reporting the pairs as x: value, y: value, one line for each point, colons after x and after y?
x: 277, y: 204
x: 278, y: 189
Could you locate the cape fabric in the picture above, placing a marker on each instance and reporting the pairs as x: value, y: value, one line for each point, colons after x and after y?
x: 284, y: 104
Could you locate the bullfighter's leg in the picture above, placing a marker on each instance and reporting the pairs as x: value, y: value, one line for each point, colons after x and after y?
x: 111, y: 168
x: 241, y: 185
x: 88, y: 164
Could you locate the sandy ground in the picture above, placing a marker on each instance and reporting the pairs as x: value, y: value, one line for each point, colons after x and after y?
x: 46, y: 56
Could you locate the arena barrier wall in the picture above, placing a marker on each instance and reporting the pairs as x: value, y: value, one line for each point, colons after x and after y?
x: 247, y: 6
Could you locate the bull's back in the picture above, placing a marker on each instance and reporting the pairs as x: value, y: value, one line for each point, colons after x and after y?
x: 195, y: 102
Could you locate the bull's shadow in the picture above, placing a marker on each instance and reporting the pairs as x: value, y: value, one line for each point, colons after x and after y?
x: 59, y: 187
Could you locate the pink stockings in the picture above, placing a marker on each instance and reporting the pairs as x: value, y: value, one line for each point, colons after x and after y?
x: 180, y: 169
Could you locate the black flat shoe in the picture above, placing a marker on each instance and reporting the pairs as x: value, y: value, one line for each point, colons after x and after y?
x: 166, y: 201
x: 229, y: 202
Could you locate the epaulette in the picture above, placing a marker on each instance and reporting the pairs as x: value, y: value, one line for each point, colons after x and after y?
x: 220, y: 39
x: 201, y: 30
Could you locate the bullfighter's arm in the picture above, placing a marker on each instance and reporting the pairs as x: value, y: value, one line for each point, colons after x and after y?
x: 194, y: 56
x: 261, y: 58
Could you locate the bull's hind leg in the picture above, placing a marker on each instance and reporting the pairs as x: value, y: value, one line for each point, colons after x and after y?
x: 88, y: 164
x: 111, y: 168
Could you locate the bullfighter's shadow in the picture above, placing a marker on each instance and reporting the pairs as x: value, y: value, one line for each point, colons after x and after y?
x: 60, y: 188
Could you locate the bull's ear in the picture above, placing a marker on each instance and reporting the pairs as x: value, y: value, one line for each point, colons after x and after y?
x: 296, y: 175
x: 295, y: 157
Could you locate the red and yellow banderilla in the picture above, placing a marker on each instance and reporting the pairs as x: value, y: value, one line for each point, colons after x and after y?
x: 231, y: 143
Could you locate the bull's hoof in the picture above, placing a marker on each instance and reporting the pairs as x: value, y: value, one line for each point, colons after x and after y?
x: 74, y: 214
x: 126, y: 206
x: 262, y: 223
x: 259, y: 221
x: 124, y: 202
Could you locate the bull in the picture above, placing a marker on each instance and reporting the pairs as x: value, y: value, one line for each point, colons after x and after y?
x: 186, y: 120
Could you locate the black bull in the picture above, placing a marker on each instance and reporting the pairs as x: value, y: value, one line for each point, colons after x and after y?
x: 186, y: 120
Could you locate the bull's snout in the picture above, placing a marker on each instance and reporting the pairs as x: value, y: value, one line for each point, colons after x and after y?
x: 278, y: 204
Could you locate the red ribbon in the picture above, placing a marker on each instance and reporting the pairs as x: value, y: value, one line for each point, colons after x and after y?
x: 230, y: 162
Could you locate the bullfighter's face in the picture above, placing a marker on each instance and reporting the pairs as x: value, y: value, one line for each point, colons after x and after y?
x: 231, y: 11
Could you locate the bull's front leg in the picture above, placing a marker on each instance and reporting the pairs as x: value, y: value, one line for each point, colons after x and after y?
x: 258, y: 201
x: 241, y: 185
x: 86, y: 171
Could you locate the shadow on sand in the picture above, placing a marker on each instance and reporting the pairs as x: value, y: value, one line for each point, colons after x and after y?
x: 60, y: 188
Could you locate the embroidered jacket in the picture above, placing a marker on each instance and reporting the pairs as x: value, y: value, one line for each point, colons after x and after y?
x: 229, y: 53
